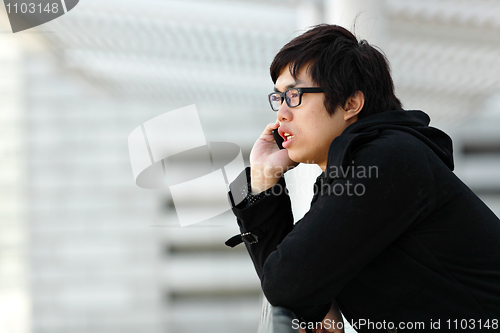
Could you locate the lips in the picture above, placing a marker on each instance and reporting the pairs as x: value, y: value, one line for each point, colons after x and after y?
x: 286, y: 135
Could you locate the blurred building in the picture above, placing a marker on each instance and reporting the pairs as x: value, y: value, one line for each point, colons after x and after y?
x: 84, y: 249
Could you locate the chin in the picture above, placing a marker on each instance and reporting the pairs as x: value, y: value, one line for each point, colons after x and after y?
x: 299, y: 159
x: 296, y: 160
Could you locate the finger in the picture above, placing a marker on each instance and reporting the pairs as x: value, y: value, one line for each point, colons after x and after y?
x: 270, y: 127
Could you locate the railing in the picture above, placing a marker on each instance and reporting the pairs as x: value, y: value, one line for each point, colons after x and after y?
x: 275, y: 319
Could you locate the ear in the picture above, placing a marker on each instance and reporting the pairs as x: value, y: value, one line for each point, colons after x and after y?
x: 354, y: 105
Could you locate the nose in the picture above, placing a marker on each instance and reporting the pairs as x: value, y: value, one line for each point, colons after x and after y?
x: 284, y: 112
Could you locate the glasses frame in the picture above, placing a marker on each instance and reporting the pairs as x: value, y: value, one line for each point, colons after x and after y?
x: 301, y: 92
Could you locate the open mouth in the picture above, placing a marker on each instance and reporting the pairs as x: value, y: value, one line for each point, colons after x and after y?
x: 287, y: 136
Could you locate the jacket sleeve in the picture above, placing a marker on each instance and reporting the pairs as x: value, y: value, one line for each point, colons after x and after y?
x: 353, y: 220
x: 269, y: 218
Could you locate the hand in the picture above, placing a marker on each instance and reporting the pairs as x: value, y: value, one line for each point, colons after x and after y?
x: 268, y: 163
x: 330, y: 322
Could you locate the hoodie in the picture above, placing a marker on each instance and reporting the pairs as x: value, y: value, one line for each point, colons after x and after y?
x: 392, y: 235
x: 415, y: 123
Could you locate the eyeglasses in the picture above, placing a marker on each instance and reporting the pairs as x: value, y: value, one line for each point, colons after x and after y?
x: 292, y: 96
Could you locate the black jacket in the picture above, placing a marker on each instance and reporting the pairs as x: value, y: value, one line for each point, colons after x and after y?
x: 409, y: 242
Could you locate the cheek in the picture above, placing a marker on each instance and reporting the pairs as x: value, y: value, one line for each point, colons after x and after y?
x: 326, y: 133
x: 310, y: 134
x: 322, y: 128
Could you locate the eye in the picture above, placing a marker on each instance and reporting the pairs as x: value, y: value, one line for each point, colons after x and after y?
x: 275, y: 98
x: 292, y: 93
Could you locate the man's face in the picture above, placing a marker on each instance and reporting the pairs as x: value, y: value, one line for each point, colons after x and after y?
x: 312, y: 127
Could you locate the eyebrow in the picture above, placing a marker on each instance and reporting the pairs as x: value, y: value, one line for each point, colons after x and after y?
x: 291, y: 85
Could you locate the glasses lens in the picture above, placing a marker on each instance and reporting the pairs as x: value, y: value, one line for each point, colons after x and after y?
x: 292, y: 97
x: 275, y: 101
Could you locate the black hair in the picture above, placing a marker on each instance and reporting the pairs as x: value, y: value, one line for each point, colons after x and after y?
x: 341, y: 65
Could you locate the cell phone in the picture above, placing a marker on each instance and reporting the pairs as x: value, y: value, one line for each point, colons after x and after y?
x: 279, y: 140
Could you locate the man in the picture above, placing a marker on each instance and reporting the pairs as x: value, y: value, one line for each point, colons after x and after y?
x: 393, y: 238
